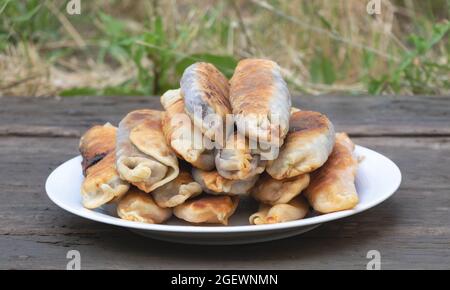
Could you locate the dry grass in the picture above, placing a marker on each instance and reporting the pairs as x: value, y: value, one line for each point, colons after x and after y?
x: 323, y: 46
x: 24, y: 73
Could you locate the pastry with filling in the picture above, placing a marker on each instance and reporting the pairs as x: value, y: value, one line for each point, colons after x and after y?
x: 307, y: 145
x: 139, y: 206
x: 102, y: 183
x: 296, y: 209
x: 260, y: 101
x: 143, y: 157
x: 332, y: 187
x: 207, y: 209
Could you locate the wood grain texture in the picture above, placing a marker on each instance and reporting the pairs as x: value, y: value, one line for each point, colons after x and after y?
x: 411, y: 229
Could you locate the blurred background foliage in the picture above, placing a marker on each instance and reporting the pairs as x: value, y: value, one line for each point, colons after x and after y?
x: 141, y: 47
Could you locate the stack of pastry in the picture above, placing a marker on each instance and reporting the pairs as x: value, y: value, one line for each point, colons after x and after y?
x: 197, y: 158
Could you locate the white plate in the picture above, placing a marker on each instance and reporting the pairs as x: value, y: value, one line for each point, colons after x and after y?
x: 377, y: 179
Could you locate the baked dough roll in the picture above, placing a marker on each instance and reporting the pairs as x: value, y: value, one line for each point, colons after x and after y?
x: 213, y: 183
x: 307, y: 146
x: 102, y: 183
x: 206, y: 97
x: 273, y: 191
x: 143, y: 157
x: 96, y: 143
x: 332, y: 187
x: 176, y: 191
x: 181, y: 134
x: 260, y: 100
x: 138, y: 206
x: 296, y: 209
x: 237, y: 161
x: 207, y: 209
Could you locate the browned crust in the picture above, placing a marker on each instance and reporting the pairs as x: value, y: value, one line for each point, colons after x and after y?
x: 184, y: 177
x: 146, y: 132
x: 96, y: 143
x: 269, y: 190
x: 102, y: 172
x: 173, y: 110
x: 303, y: 121
x: 219, y: 203
x: 153, y: 117
x: 335, y: 178
x: 149, y: 134
x: 208, y: 209
x: 215, y: 86
x: 340, y: 159
x: 252, y: 85
x: 306, y: 147
x: 213, y: 180
x: 137, y: 200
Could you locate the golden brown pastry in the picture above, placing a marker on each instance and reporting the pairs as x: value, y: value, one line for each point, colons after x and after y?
x: 273, y: 191
x: 213, y: 183
x: 143, y: 157
x: 96, y: 143
x: 206, y: 97
x: 207, y: 209
x: 102, y: 183
x: 307, y: 146
x: 296, y: 209
x: 138, y: 206
x: 176, y: 191
x: 332, y: 187
x: 237, y: 161
x: 181, y: 134
x: 260, y: 100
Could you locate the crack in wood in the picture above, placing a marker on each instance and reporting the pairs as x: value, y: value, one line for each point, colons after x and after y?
x: 38, y: 131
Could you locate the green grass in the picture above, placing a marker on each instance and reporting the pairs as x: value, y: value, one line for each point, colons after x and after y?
x: 322, y: 46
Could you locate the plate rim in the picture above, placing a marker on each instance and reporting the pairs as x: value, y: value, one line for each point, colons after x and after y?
x: 198, y: 229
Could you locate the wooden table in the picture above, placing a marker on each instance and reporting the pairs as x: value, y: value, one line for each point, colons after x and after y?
x: 410, y: 230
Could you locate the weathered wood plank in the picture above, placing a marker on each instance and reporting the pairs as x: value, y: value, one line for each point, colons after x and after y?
x: 38, y: 131
x: 411, y: 229
x: 339, y: 245
x: 359, y: 115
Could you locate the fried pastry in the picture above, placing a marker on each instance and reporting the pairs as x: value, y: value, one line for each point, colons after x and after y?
x: 273, y: 191
x: 332, y: 187
x: 307, y: 145
x: 207, y: 209
x: 260, y: 101
x: 176, y: 191
x: 213, y: 183
x: 96, y: 143
x: 139, y: 206
x: 101, y: 183
x: 237, y: 161
x: 143, y: 157
x: 181, y: 134
x: 206, y: 97
x: 296, y: 209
